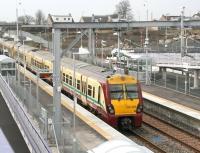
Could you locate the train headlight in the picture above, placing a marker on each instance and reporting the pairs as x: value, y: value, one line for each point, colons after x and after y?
x: 111, y: 109
x: 139, y: 108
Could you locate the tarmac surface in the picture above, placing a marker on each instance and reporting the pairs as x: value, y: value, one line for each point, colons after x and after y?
x: 11, y: 140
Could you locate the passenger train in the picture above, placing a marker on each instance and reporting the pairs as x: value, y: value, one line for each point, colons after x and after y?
x: 115, y: 98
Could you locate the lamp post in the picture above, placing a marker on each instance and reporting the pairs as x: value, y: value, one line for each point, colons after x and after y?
x: 75, y: 98
x: 80, y: 32
x: 102, y: 45
x: 145, y: 48
x: 182, y: 32
x: 118, y: 45
x: 17, y: 40
x: 74, y: 111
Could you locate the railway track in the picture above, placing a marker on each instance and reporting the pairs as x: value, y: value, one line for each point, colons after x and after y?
x: 154, y: 147
x: 162, y: 137
x: 190, y: 141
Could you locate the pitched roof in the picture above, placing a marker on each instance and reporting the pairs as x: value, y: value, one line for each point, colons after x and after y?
x: 99, y: 18
x: 60, y: 18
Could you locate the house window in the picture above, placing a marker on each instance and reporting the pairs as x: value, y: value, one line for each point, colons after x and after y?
x: 57, y: 19
x: 69, y: 19
x: 64, y: 18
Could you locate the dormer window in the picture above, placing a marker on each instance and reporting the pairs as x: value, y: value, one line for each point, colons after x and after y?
x: 57, y: 19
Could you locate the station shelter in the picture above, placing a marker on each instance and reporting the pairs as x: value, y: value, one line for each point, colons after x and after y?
x: 7, y: 66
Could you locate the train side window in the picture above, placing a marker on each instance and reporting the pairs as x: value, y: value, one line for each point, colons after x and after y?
x: 99, y: 94
x: 78, y: 84
x: 67, y: 78
x: 64, y: 77
x: 82, y: 84
x: 89, y: 90
x: 32, y: 61
x: 70, y: 80
x: 84, y: 87
x: 93, y: 94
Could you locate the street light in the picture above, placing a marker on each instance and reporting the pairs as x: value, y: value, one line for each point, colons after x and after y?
x: 75, y: 97
x: 102, y: 45
x: 118, y: 44
x: 146, y: 45
x: 17, y: 40
x: 80, y: 32
x: 182, y: 32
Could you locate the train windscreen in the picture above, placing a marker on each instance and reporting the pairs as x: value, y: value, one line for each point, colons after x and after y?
x: 131, y: 91
x: 123, y: 91
x: 116, y: 91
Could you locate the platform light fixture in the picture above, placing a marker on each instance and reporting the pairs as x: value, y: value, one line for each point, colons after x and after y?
x: 75, y: 97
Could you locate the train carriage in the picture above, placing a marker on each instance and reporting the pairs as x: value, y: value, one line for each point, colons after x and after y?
x: 115, y: 98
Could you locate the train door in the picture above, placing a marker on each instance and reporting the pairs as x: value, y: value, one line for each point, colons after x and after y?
x: 84, y: 89
x: 99, y: 95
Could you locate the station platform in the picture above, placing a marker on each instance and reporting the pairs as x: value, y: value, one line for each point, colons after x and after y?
x: 172, y: 95
x: 11, y: 140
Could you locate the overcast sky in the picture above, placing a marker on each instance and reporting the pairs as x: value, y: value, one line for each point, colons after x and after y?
x: 101, y: 7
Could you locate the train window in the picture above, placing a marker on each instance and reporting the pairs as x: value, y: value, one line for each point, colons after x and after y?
x: 89, y: 90
x: 93, y: 94
x: 78, y: 84
x: 116, y: 91
x: 74, y: 82
x: 67, y: 78
x: 64, y: 77
x: 131, y: 91
x: 32, y: 61
x: 84, y: 87
x: 70, y: 80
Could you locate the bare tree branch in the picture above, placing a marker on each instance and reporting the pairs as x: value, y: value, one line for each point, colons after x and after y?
x: 123, y: 8
x: 40, y: 17
x: 27, y: 19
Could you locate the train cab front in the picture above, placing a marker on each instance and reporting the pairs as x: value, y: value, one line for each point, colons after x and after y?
x: 126, y: 106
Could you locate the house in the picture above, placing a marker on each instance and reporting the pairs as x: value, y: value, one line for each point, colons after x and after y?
x: 196, y: 16
x: 59, y: 18
x: 170, y: 18
x: 100, y: 18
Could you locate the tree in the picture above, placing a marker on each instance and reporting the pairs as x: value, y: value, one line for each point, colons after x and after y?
x: 27, y: 19
x: 39, y: 17
x: 123, y: 8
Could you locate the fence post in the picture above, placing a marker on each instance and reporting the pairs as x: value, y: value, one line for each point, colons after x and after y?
x: 177, y: 82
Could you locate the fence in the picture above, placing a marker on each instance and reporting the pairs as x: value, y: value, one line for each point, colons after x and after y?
x: 31, y: 135
x: 176, y: 81
x: 42, y: 115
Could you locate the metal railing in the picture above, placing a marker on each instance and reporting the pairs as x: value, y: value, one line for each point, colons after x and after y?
x: 32, y: 137
x: 176, y: 81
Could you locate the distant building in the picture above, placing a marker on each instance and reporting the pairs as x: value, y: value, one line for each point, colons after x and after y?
x: 196, y: 16
x: 170, y: 18
x: 174, y: 18
x: 60, y: 18
x: 100, y: 18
